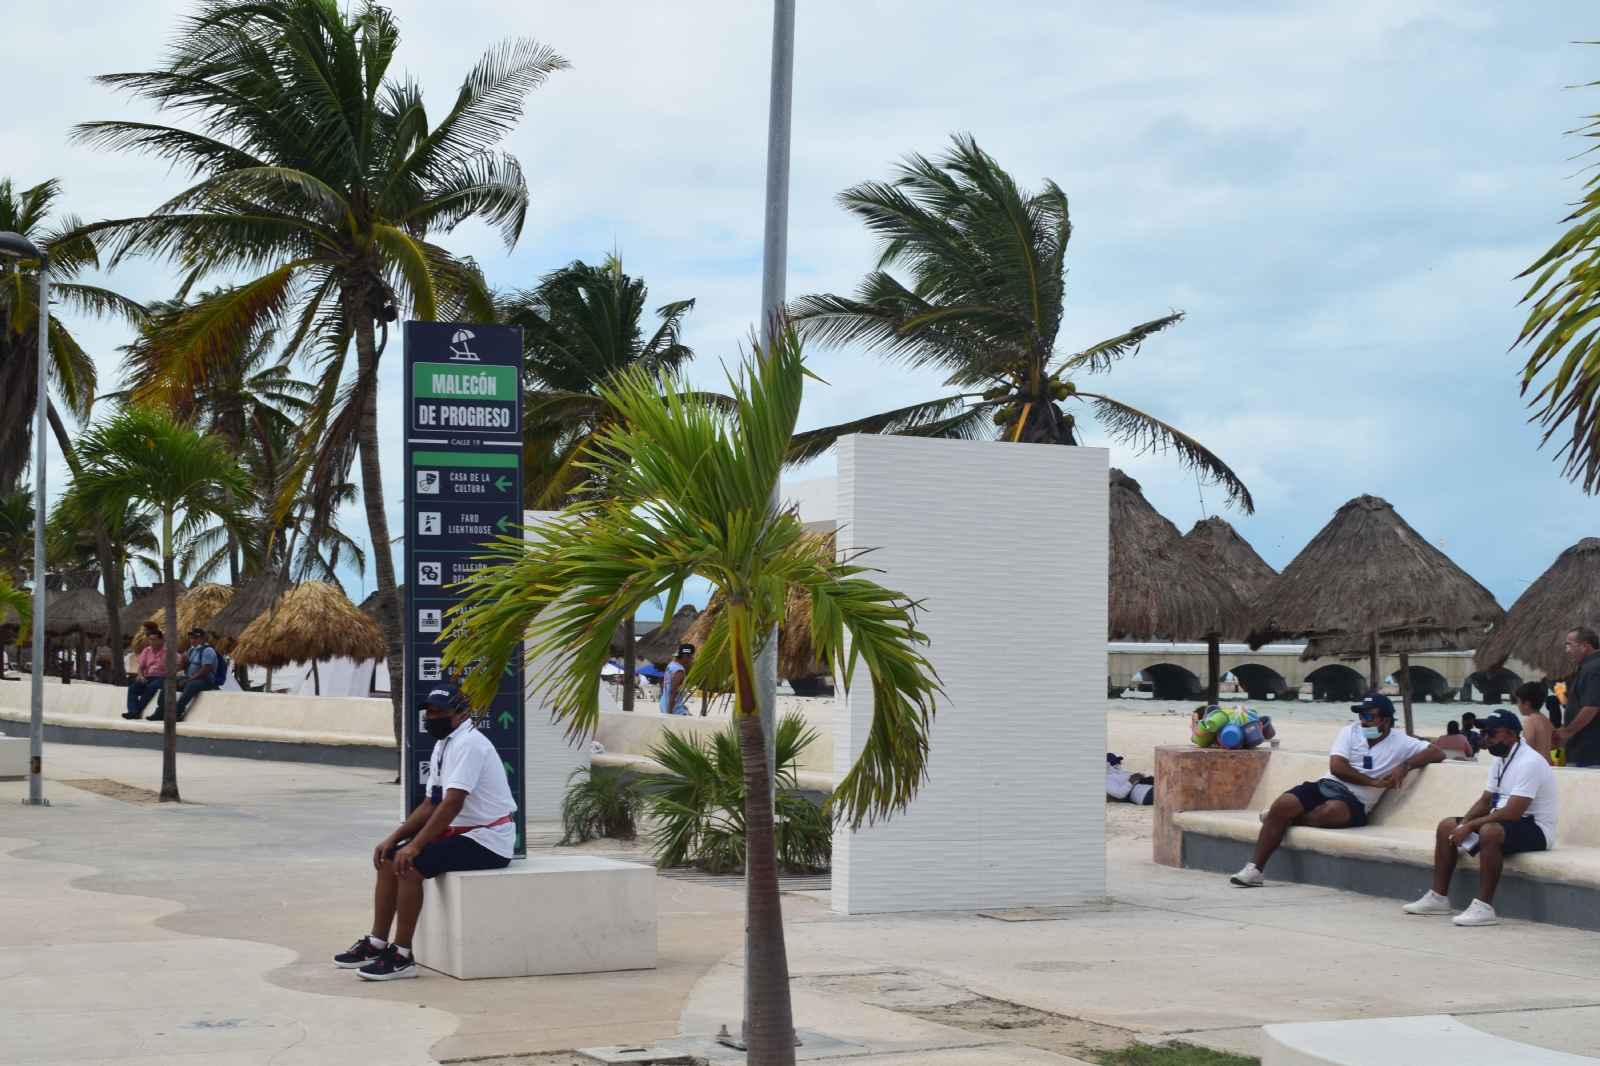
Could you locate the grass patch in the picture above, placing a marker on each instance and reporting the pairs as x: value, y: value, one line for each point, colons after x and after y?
x: 1174, y: 1054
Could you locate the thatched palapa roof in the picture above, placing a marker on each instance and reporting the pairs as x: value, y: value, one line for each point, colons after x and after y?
x: 313, y: 621
x: 1219, y: 546
x: 196, y: 608
x: 1368, y: 572
x: 256, y: 598
x: 1158, y: 587
x: 796, y: 657
x: 82, y: 610
x: 1535, y: 629
x: 661, y: 643
x: 149, y: 601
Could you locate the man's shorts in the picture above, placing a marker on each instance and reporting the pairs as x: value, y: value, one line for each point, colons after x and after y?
x: 1311, y: 796
x: 1521, y: 835
x: 455, y: 853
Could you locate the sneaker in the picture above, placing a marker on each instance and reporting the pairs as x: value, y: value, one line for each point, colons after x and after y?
x: 1430, y: 903
x: 133, y: 715
x: 1480, y: 913
x: 390, y: 966
x: 360, y: 954
x: 1262, y: 815
x: 1249, y: 877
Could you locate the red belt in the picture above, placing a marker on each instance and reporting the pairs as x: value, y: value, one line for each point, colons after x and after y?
x: 457, y: 830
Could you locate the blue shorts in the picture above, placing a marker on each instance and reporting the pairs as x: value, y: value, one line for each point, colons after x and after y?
x: 1311, y: 796
x: 455, y: 853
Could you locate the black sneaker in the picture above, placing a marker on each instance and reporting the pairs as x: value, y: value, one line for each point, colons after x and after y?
x: 360, y: 953
x: 389, y: 967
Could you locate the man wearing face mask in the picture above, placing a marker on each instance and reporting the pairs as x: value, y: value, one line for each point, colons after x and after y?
x: 463, y: 823
x: 1516, y: 813
x: 1367, y: 759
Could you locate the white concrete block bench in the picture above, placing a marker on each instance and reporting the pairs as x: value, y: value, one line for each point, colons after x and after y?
x: 13, y: 758
x: 1393, y: 854
x: 1401, y: 1042
x: 546, y: 914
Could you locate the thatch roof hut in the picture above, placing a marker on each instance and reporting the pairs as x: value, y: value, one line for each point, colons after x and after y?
x: 1536, y: 627
x: 196, y: 608
x: 797, y: 659
x: 83, y: 610
x: 661, y: 643
x: 1220, y: 547
x: 256, y: 598
x: 1368, y: 573
x: 150, y: 601
x: 369, y: 606
x: 1158, y: 588
x: 313, y: 621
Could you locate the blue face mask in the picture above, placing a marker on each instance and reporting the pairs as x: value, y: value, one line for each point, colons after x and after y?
x: 1371, y: 732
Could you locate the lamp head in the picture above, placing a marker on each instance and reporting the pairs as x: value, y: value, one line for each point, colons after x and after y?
x: 16, y: 246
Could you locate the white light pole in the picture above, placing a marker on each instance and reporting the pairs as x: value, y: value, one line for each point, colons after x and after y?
x: 17, y: 247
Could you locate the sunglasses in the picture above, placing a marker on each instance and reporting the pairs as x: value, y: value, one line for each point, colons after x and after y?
x: 1368, y: 716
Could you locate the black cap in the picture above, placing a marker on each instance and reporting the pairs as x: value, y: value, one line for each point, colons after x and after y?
x: 1500, y: 718
x: 685, y: 649
x: 197, y: 632
x: 445, y: 695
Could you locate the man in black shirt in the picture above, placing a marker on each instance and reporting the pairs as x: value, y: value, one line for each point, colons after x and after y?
x: 1581, y: 735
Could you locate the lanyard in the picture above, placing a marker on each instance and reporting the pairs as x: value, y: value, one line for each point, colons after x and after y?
x: 436, y: 793
x: 1505, y: 764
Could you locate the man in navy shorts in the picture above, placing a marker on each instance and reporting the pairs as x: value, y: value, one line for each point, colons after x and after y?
x: 464, y: 823
x: 1367, y: 759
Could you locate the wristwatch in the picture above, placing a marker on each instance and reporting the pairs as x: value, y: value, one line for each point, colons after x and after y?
x: 1406, y: 763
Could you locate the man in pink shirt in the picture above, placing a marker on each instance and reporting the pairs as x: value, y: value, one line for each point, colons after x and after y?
x: 150, y: 673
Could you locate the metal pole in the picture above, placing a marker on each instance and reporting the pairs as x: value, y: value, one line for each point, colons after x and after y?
x: 36, y: 718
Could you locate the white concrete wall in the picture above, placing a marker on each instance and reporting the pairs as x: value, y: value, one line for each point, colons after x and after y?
x: 1005, y: 545
x: 548, y: 756
x: 816, y: 499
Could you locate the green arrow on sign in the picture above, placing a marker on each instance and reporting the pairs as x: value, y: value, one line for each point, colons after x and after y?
x: 502, y: 483
x: 503, y: 523
x: 509, y: 770
x: 506, y: 720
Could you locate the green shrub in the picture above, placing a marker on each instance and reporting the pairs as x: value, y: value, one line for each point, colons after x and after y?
x: 600, y: 802
x: 1173, y: 1054
x: 700, y: 811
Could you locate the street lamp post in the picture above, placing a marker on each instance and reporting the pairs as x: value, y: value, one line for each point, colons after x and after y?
x: 16, y: 246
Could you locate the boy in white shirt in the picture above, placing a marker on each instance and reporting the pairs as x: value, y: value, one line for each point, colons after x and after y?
x: 1367, y: 759
x: 464, y: 823
x: 1516, y: 813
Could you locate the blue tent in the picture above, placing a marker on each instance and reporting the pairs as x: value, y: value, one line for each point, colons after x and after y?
x: 648, y: 670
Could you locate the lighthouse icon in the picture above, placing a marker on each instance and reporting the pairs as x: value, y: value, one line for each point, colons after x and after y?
x: 459, y: 352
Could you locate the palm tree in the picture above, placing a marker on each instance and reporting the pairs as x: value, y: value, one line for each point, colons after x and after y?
x: 320, y: 181
x: 144, y: 456
x: 984, y: 306
x: 16, y: 535
x: 689, y: 485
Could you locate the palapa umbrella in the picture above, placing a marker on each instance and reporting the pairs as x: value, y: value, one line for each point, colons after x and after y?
x: 152, y: 601
x: 81, y: 613
x: 661, y: 644
x: 196, y: 608
x: 1230, y: 557
x: 256, y: 598
x: 1368, y: 579
x: 1158, y: 589
x: 313, y: 621
x: 1536, y: 627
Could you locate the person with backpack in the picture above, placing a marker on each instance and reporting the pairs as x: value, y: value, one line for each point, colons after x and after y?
x: 202, y: 671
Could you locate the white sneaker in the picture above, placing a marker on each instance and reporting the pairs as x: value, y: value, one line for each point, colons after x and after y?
x: 1430, y: 903
x: 1262, y: 815
x: 1480, y: 913
x: 1249, y: 877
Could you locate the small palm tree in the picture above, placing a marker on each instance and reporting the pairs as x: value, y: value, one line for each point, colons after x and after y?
x: 19, y: 601
x: 984, y: 306
x: 147, y: 457
x: 689, y: 487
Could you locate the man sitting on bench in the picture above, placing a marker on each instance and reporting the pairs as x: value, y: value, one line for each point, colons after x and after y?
x: 464, y: 823
x: 1368, y: 757
x: 1516, y: 813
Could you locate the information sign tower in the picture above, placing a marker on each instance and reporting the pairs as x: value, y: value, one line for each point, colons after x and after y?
x: 463, y: 470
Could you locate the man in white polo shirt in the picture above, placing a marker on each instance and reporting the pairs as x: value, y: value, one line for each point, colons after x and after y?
x: 1368, y: 758
x: 1516, y: 813
x: 464, y: 823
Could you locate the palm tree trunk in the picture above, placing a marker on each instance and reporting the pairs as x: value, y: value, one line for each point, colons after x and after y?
x: 769, y: 1031
x: 106, y: 558
x: 1213, y: 667
x: 629, y: 663
x: 169, y: 687
x: 378, y: 528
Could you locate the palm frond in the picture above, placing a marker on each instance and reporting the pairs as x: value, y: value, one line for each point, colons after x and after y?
x: 1148, y: 433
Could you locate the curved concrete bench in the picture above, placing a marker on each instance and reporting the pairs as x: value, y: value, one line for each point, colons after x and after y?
x: 1400, y: 1042
x: 1393, y: 854
x: 627, y: 736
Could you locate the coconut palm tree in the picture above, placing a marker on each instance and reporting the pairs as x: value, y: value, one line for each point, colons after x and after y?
x: 147, y: 457
x: 581, y: 326
x: 321, y: 179
x: 16, y: 535
x: 689, y: 487
x: 984, y: 305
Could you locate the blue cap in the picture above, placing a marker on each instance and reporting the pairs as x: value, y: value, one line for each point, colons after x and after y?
x: 444, y: 694
x: 1500, y: 718
x: 1112, y: 760
x: 1376, y: 701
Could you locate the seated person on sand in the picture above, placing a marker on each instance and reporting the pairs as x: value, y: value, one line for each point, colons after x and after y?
x: 1516, y: 813
x: 464, y: 823
x: 1538, y: 732
x: 1368, y: 758
x: 1454, y: 741
x: 1125, y: 785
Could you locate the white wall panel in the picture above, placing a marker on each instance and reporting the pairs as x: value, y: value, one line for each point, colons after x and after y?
x: 548, y: 756
x: 1005, y: 545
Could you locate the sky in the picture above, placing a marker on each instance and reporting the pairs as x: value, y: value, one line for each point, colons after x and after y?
x: 1339, y: 197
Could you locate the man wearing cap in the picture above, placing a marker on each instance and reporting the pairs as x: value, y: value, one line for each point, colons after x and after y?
x: 1516, y: 813
x: 1367, y: 759
x: 463, y: 823
x: 674, y: 687
x: 199, y: 674
x: 1126, y: 785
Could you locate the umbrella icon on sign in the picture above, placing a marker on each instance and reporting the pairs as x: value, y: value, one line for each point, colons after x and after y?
x: 459, y: 352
